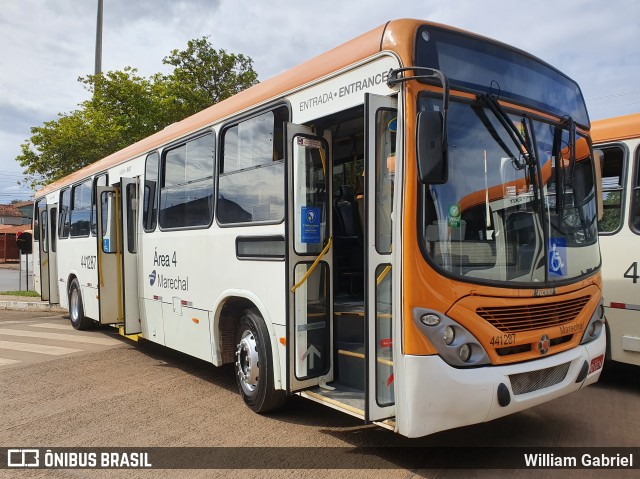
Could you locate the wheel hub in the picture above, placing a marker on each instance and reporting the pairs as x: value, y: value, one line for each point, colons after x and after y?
x: 74, y: 304
x: 248, y: 362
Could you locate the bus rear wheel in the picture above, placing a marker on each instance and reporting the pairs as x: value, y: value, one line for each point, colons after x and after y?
x: 254, y: 364
x: 76, y: 310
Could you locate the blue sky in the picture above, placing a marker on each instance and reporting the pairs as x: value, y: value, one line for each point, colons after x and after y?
x: 46, y: 46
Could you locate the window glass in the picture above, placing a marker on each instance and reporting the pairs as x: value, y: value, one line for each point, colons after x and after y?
x: 54, y: 218
x: 251, y: 184
x: 81, y: 209
x: 131, y: 217
x: 36, y: 222
x: 634, y: 214
x: 385, y: 169
x: 186, y: 196
x: 612, y: 189
x: 65, y: 214
x: 150, y: 205
x: 43, y: 223
x: 97, y: 181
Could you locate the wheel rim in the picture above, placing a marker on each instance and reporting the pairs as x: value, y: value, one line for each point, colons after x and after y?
x: 248, y: 362
x: 74, y: 307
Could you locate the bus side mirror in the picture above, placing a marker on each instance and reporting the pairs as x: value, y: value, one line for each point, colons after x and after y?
x: 598, y: 157
x: 431, y: 151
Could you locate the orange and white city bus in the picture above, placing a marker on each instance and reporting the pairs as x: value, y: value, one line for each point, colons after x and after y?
x: 311, y: 230
x: 618, y: 141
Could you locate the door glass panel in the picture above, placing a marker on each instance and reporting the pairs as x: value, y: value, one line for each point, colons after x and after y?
x: 311, y: 202
x: 312, y: 322
x: 108, y: 211
x: 385, y: 169
x: 54, y: 217
x: 384, y: 336
x: 43, y: 225
x: 612, y: 189
x: 131, y: 217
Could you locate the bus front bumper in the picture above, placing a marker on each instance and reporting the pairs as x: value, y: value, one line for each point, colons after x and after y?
x: 439, y: 397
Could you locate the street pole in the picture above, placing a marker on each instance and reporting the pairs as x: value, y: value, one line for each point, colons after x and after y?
x: 99, y: 39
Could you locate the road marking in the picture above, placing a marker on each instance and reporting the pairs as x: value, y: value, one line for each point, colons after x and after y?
x: 37, y: 348
x: 6, y: 362
x: 65, y: 327
x: 80, y: 338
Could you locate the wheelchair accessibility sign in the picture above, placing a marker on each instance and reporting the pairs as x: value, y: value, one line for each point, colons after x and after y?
x: 557, y: 261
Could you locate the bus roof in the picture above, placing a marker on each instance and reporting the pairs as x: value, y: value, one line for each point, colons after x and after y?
x: 392, y: 36
x: 617, y: 128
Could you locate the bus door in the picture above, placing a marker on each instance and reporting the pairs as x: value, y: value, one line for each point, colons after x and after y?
x: 117, y: 255
x: 54, y: 292
x: 310, y: 257
x: 45, y: 280
x: 380, y: 148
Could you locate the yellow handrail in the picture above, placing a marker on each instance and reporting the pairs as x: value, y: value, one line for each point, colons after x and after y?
x: 313, y: 266
x: 383, y: 274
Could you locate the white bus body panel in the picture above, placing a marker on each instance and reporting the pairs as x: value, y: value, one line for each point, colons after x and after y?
x: 619, y: 251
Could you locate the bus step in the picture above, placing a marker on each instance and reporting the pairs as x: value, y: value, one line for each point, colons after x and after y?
x: 342, y: 398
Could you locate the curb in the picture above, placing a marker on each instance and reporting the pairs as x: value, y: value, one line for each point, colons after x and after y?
x: 30, y: 306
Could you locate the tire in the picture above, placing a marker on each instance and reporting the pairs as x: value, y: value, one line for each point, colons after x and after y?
x: 76, y: 310
x: 254, y: 365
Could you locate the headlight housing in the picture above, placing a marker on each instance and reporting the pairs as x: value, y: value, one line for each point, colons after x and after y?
x: 595, y: 326
x: 455, y: 344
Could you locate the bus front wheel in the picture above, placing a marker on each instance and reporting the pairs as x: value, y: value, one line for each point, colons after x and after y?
x: 76, y: 310
x: 254, y: 364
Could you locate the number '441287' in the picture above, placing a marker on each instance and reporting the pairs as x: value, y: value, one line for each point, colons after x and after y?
x: 632, y: 272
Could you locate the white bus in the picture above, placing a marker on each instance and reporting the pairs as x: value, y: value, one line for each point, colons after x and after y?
x: 618, y: 140
x: 320, y: 231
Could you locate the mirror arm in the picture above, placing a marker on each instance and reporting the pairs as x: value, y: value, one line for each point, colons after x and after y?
x: 422, y: 73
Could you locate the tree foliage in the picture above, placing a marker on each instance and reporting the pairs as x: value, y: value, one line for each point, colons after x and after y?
x: 125, y: 107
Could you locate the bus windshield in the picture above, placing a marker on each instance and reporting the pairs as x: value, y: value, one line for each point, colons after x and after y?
x: 503, y: 216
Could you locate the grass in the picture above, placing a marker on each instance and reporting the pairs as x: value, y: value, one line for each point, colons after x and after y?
x: 31, y: 294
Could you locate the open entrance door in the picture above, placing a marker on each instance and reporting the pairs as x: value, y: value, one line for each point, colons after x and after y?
x: 45, y: 280
x: 380, y: 148
x: 117, y: 255
x: 52, y: 234
x: 310, y: 304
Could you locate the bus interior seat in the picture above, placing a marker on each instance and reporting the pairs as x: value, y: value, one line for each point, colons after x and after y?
x: 349, y: 244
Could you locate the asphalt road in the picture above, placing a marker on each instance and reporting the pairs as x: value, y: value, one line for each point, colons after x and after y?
x: 115, y: 393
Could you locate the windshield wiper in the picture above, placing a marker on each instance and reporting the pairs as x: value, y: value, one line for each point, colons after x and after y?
x: 563, y: 180
x: 522, y: 142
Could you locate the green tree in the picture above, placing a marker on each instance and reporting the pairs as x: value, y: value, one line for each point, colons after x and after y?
x: 126, y: 107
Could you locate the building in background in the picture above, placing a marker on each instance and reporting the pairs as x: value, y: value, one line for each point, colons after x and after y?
x: 11, y: 215
x: 26, y: 209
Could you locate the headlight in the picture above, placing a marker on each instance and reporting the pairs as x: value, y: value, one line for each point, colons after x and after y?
x: 595, y: 326
x: 464, y: 353
x: 448, y: 335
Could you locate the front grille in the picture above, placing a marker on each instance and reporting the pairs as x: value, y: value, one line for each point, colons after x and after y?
x: 513, y: 319
x: 534, y: 380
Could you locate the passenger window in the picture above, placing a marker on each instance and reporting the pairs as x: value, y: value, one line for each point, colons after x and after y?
x: 65, y: 215
x: 251, y: 182
x: 186, y: 195
x: 612, y: 189
x: 80, y: 217
x: 150, y: 204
